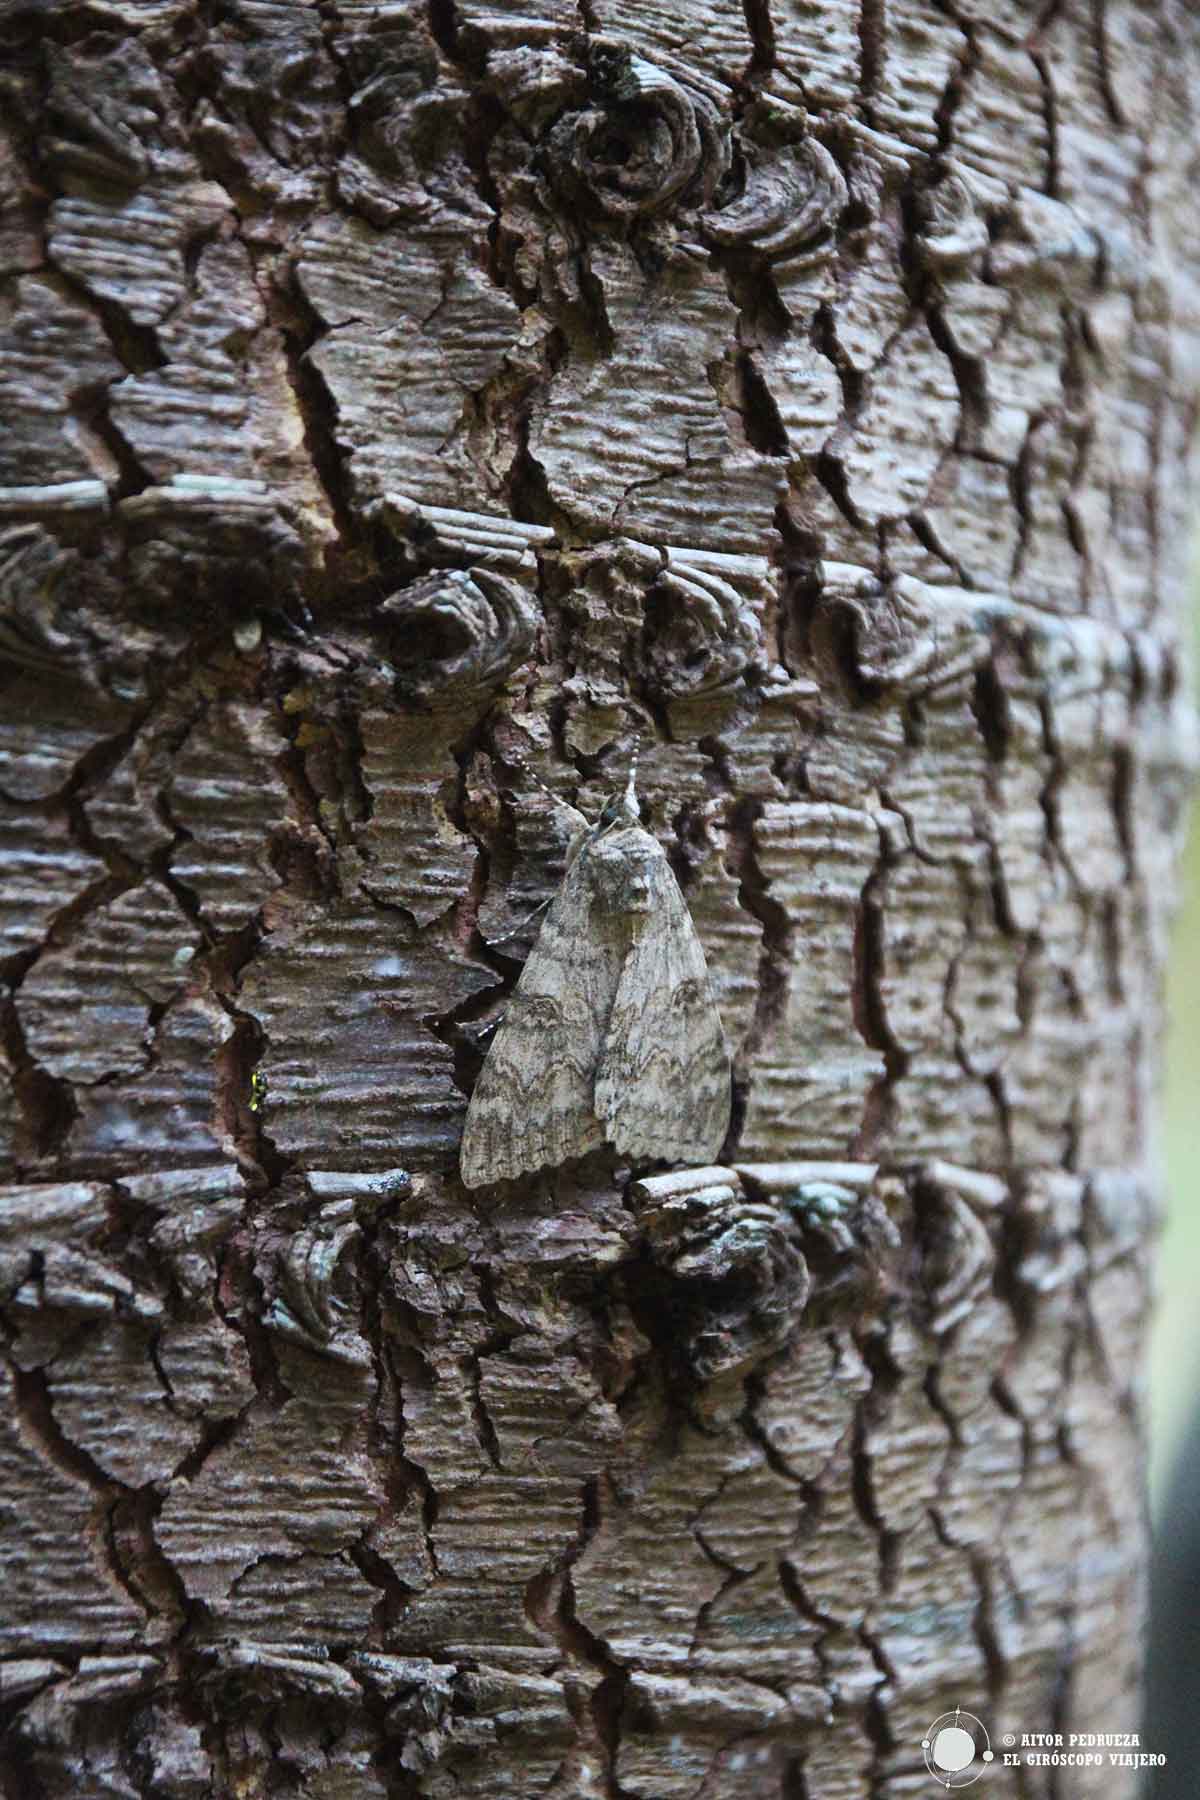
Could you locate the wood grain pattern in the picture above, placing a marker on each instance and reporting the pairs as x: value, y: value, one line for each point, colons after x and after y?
x: 408, y: 411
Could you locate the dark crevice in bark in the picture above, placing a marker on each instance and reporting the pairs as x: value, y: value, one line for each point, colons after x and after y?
x: 870, y: 1413
x: 529, y: 497
x: 240, y: 1304
x: 931, y: 1388
x: 994, y: 1083
x: 854, y: 383
x: 988, y: 1633
x: 795, y: 1780
x: 69, y: 23
x: 760, y: 416
x: 406, y: 1365
x: 1060, y: 1700
x: 1124, y: 787
x: 485, y: 1429
x: 484, y: 119
x: 830, y: 472
x: 794, y: 1592
x: 763, y: 319
x: 1022, y: 483
x: 587, y: 332
x: 150, y: 1574
x: 925, y: 535
x: 761, y: 27
x: 469, y: 1048
x: 879, y: 1734
x: 1000, y: 895
x: 1077, y: 538
x: 214, y: 1435
x: 300, y: 330
x: 47, y: 1105
x: 870, y: 960
x: 970, y: 378
x: 36, y: 1414
x: 132, y: 476
x: 376, y: 1239
x: 394, y: 1596
x: 550, y: 1602
x: 870, y: 1015
x: 18, y: 1774
x: 320, y: 859
x: 1050, y: 113
x: 958, y: 86
x: 1050, y: 799
x: 1104, y: 60
x: 136, y: 347
x: 989, y: 704
x: 732, y: 1580
x: 775, y: 954
x: 872, y: 38
x: 444, y: 26
x: 755, y: 1389
x: 985, y: 1622
x: 608, y: 1703
x: 239, y: 1103
x: 801, y: 644
x: 35, y: 1410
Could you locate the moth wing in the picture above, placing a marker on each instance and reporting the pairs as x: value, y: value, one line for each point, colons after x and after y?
x: 532, y: 1106
x: 663, y: 1085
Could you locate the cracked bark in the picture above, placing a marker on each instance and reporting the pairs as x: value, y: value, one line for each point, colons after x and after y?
x: 404, y: 404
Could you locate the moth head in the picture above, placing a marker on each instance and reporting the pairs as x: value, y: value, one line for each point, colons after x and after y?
x: 622, y: 808
x: 621, y: 868
x: 616, y: 815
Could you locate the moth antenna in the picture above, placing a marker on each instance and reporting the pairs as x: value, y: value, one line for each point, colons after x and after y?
x: 518, y: 929
x: 631, y: 801
x: 549, y: 792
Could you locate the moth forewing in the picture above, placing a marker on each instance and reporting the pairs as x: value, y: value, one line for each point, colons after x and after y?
x: 532, y: 1106
x: 663, y: 1087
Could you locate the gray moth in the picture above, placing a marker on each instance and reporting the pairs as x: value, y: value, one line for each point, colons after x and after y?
x: 611, y: 1035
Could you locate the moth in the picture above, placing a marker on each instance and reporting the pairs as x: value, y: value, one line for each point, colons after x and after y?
x: 611, y: 1035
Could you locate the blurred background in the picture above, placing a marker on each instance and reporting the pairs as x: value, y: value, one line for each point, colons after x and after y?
x: 1172, y: 1693
x: 1175, y: 1340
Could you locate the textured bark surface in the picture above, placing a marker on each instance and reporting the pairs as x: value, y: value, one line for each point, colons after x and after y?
x: 404, y: 403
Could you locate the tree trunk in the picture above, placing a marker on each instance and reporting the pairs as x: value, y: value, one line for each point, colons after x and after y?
x: 410, y: 412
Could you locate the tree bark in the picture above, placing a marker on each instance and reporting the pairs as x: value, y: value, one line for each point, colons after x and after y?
x: 411, y: 411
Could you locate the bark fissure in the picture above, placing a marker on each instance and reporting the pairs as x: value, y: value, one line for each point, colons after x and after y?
x: 408, y: 404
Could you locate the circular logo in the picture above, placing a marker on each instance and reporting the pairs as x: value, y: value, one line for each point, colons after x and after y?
x: 956, y: 1748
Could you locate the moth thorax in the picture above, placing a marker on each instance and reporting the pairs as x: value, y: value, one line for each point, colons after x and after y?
x: 623, y: 869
